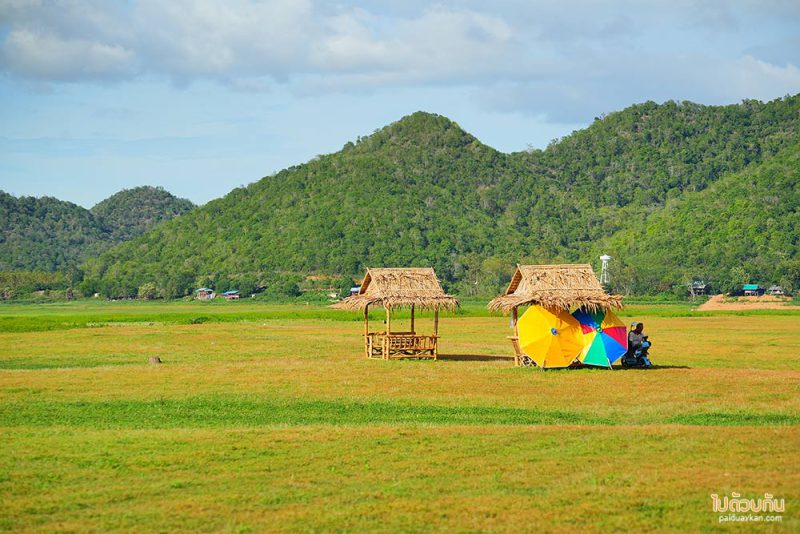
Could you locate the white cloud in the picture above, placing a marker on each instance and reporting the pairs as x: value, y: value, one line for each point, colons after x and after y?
x: 187, y: 38
x: 438, y: 45
x: 763, y: 80
x: 53, y: 58
x: 567, y: 63
x: 349, y: 44
x: 190, y: 39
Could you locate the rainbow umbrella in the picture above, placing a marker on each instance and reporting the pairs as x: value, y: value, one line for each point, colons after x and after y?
x: 551, y: 339
x: 605, y: 338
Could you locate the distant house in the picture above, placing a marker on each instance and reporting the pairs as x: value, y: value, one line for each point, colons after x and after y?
x: 699, y: 287
x: 205, y: 293
x: 776, y: 291
x: 752, y: 290
x: 231, y: 295
x: 354, y: 290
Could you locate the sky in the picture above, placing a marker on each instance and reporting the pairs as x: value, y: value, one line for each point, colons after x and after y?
x: 200, y: 96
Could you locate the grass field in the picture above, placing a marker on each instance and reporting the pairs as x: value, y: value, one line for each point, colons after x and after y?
x: 267, y: 417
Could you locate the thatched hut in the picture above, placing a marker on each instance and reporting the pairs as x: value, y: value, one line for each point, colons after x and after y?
x: 557, y: 287
x: 414, y: 288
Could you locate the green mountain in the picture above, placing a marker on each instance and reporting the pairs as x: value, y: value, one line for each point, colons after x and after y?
x: 132, y: 212
x: 47, y: 234
x: 422, y: 191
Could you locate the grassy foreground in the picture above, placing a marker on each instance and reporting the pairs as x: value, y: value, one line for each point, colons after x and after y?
x: 267, y: 417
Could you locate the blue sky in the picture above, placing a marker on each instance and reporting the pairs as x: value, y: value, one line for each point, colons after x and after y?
x: 200, y: 97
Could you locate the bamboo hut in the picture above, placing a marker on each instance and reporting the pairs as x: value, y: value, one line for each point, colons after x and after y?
x: 414, y: 288
x: 556, y: 287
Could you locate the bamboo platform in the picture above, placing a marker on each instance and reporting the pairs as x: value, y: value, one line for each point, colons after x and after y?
x: 398, y: 345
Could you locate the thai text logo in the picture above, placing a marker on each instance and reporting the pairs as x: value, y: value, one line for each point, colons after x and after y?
x: 740, y: 509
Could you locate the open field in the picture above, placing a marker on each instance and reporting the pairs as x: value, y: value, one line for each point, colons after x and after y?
x: 267, y: 417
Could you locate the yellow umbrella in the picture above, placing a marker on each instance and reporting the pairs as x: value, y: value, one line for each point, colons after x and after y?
x: 551, y: 339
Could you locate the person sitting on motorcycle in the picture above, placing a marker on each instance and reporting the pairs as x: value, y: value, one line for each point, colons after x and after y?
x: 638, y: 346
x: 636, y: 338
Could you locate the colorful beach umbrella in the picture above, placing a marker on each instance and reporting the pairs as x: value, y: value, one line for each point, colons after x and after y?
x: 551, y: 339
x: 605, y: 337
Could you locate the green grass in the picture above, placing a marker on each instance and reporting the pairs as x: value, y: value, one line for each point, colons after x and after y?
x: 225, y: 411
x: 15, y: 317
x: 38, y: 318
x: 383, y: 478
x: 215, y: 411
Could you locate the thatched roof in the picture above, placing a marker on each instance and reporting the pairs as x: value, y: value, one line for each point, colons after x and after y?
x: 393, y: 288
x: 555, y: 286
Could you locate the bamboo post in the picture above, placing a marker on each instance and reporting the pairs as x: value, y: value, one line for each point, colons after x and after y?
x: 435, y: 332
x: 367, y: 348
x: 412, y: 319
x: 386, y: 341
x: 514, y: 316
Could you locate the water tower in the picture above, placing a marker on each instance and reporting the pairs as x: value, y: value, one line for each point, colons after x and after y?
x: 605, y: 277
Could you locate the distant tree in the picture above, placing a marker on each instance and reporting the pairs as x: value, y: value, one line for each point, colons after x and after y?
x: 344, y: 284
x: 738, y: 276
x: 284, y: 288
x: 246, y: 284
x: 790, y: 275
x: 147, y: 291
x: 88, y: 287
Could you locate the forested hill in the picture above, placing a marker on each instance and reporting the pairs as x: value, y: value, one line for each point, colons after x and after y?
x: 744, y: 227
x: 47, y: 234
x: 132, y: 212
x: 422, y: 191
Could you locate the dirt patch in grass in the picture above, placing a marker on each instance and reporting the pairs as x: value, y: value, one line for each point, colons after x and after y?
x: 765, y: 302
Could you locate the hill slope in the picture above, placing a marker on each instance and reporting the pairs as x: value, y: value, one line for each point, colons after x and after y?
x: 132, y: 212
x: 745, y: 227
x: 422, y: 191
x: 47, y: 234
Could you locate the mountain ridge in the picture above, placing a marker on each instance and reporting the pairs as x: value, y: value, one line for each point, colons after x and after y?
x: 423, y: 191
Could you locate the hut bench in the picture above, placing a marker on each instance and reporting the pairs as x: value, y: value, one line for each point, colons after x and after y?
x: 396, y: 345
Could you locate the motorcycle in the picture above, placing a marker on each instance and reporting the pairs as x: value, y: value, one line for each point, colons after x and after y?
x: 639, y: 357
